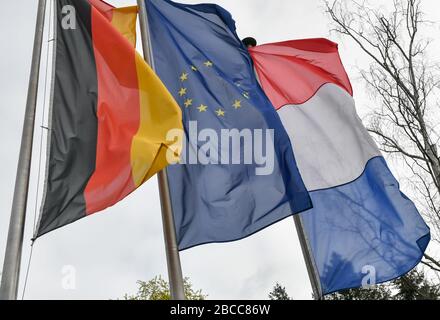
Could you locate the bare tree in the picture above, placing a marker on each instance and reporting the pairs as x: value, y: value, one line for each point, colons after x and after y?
x: 405, y: 84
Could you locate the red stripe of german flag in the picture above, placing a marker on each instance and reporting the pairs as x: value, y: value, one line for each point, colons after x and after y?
x: 123, y: 19
x: 110, y: 115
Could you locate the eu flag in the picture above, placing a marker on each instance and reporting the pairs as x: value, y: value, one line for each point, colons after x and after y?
x: 218, y: 192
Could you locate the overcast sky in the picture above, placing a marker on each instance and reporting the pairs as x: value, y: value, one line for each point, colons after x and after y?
x: 111, y: 250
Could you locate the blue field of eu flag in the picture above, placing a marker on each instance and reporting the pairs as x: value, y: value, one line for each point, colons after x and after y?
x: 203, y: 63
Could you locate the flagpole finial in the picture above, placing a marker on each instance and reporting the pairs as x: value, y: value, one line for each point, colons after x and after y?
x: 249, y: 42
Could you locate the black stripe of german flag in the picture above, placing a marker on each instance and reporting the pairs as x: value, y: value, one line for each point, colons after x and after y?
x: 74, y: 127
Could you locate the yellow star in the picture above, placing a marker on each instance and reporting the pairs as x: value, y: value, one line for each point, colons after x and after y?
x: 184, y: 76
x: 193, y: 68
x: 202, y: 108
x: 246, y: 95
x: 188, y: 102
x: 220, y: 113
x: 237, y: 104
x: 208, y: 63
x: 182, y: 92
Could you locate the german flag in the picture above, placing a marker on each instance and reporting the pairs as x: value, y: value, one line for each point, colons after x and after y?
x: 110, y: 114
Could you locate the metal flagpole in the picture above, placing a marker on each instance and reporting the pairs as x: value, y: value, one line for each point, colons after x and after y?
x: 310, y: 263
x: 11, y: 265
x: 304, y: 242
x: 171, y: 248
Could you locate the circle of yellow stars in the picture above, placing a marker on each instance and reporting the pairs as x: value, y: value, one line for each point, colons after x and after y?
x: 188, y: 102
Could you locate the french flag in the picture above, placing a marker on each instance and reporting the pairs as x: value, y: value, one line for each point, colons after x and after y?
x: 361, y: 226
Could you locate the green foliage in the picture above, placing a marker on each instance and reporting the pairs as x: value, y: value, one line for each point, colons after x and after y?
x: 412, y: 286
x: 159, y: 289
x: 279, y: 293
x: 379, y: 292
